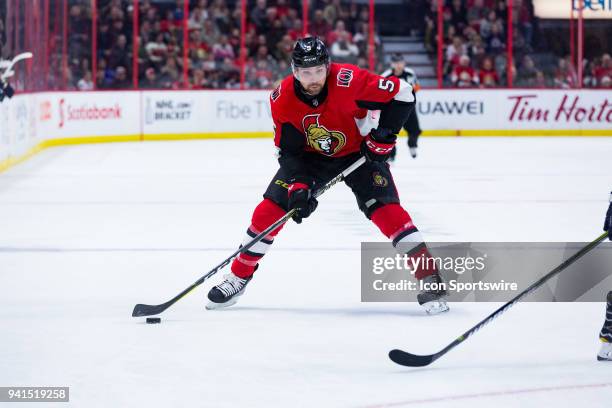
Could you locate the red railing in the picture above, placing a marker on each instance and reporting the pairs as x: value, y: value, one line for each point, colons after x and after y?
x: 580, y: 42
x: 509, y: 47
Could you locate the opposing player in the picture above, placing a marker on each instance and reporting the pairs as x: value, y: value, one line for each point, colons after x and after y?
x: 6, y: 71
x: 605, y: 353
x: 399, y: 70
x: 323, y: 124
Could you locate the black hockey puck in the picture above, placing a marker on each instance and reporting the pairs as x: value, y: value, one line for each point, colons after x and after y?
x: 153, y: 320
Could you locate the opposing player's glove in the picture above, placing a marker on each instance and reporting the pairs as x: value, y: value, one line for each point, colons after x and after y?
x: 9, y: 91
x: 5, y: 91
x: 608, y: 221
x: 300, y: 198
x: 378, y: 145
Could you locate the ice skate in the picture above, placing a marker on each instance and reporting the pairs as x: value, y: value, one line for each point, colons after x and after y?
x: 433, y: 299
x: 226, y: 293
x: 605, y: 352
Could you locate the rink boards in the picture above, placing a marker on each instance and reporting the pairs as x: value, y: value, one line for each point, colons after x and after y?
x: 31, y: 122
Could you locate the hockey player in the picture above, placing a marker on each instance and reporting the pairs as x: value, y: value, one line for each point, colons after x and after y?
x: 399, y: 70
x: 605, y: 353
x: 322, y: 124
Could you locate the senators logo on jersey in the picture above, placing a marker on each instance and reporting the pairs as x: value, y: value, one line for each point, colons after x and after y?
x: 327, y: 142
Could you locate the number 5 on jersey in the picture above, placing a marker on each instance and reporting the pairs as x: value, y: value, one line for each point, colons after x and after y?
x: 386, y: 85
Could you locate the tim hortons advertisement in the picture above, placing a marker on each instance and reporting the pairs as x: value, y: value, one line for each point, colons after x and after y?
x: 514, y: 109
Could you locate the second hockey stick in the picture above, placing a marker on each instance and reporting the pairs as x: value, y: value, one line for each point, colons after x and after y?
x: 150, y: 310
x: 8, y: 65
x: 413, y: 360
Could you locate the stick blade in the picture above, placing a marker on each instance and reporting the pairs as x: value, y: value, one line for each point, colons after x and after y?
x: 147, y: 310
x: 22, y: 56
x: 410, y: 360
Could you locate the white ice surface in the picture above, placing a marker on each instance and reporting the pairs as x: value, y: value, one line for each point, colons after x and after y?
x: 88, y: 231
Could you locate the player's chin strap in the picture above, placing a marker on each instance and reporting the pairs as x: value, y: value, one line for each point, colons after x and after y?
x: 150, y: 310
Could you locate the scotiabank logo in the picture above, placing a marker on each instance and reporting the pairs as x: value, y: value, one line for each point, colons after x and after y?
x: 571, y: 109
x: 87, y: 112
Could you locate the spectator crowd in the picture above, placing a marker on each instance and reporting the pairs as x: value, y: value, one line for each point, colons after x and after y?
x: 475, y: 48
x: 2, y: 33
x: 474, y: 40
x: 213, y: 48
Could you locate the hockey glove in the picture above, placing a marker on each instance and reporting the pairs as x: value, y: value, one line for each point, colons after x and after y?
x: 378, y: 145
x: 608, y: 221
x: 300, y: 198
x: 9, y: 91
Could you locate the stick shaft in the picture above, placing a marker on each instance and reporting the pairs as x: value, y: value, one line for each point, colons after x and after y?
x: 412, y: 360
x: 569, y: 261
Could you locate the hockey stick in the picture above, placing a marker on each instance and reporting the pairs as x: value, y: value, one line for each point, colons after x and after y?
x: 150, y: 310
x: 412, y: 360
x: 8, y: 65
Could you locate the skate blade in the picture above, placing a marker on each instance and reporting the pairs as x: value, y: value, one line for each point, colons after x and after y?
x: 217, y: 306
x: 435, y: 307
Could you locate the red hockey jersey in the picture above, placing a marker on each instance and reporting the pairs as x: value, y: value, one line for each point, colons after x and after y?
x: 333, y: 123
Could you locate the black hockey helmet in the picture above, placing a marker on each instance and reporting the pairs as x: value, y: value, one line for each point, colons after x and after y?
x: 309, y: 52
